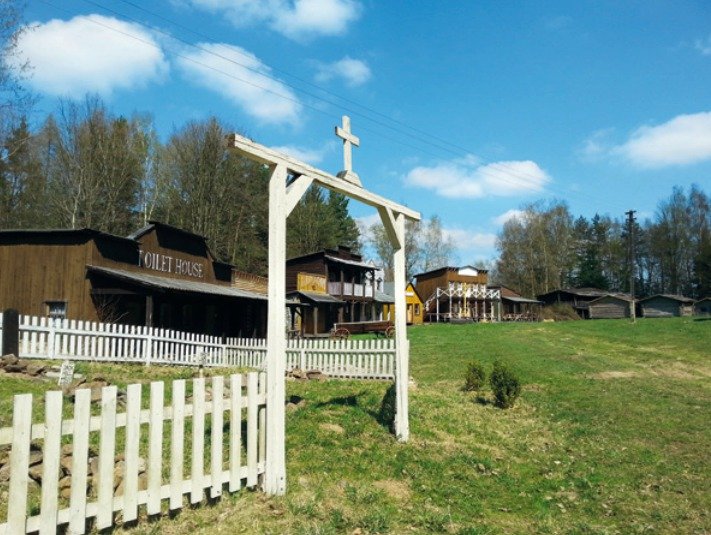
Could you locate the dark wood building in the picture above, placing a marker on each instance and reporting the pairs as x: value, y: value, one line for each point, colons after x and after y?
x: 578, y: 298
x: 702, y: 307
x: 612, y: 306
x: 666, y: 306
x: 343, y: 291
x: 515, y: 307
x: 160, y: 276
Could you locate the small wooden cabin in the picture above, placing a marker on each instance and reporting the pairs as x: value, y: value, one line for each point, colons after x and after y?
x: 611, y: 306
x: 414, y: 304
x: 666, y: 306
x: 515, y: 307
x: 578, y: 298
x: 160, y: 276
x: 702, y: 307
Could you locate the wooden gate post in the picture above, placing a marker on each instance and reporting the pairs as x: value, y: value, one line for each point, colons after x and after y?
x: 275, y: 469
x: 10, y: 332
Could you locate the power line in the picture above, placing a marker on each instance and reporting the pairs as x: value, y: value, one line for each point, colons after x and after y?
x: 512, y: 172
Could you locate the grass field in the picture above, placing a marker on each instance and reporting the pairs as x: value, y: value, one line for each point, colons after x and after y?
x: 612, y: 434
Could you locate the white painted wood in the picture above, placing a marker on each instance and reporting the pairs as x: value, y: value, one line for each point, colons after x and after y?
x: 235, y: 432
x: 155, y: 448
x: 216, y: 436
x: 388, y: 219
x: 198, y: 421
x: 50, y: 462
x: 133, y: 437
x: 275, y: 477
x: 19, y: 463
x: 262, y: 441
x: 107, y: 451
x: 295, y: 191
x: 177, y: 445
x: 402, y: 354
x: 80, y: 459
x: 260, y: 153
x: 252, y: 416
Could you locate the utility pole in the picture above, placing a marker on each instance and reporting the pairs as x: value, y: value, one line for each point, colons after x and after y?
x: 631, y: 259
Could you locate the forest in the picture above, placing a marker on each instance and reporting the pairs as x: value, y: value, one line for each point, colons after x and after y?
x: 85, y: 167
x: 547, y: 248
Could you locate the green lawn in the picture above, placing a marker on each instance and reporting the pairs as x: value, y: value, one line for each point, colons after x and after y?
x: 612, y: 434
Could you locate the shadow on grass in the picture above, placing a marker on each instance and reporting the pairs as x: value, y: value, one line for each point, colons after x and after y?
x: 703, y: 319
x: 483, y: 400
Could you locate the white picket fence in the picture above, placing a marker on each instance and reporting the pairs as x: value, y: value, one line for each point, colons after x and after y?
x: 43, y: 338
x: 234, y: 460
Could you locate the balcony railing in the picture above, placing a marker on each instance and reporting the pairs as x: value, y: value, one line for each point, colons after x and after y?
x: 349, y: 289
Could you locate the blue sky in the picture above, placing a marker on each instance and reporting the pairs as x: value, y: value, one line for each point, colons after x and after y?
x: 466, y: 110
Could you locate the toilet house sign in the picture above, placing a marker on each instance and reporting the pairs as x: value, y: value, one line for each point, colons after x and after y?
x: 170, y: 264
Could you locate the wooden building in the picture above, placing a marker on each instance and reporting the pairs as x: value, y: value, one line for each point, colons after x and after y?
x: 515, y: 307
x: 578, y: 298
x: 702, y: 307
x: 611, y: 306
x: 666, y: 306
x: 160, y: 276
x: 458, y: 293
x: 336, y: 284
x: 415, y: 305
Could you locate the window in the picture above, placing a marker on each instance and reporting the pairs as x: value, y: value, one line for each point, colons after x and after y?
x: 417, y: 309
x: 56, y: 310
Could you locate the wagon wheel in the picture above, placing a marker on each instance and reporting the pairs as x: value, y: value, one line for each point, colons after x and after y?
x: 341, y: 333
x: 390, y: 332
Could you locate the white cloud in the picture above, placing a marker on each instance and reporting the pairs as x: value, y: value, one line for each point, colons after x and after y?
x: 90, y: 53
x: 308, y: 155
x: 466, y: 178
x: 467, y: 240
x: 242, y: 78
x: 353, y: 71
x: 597, y: 145
x: 704, y: 46
x: 509, y: 214
x: 299, y: 20
x: 685, y: 139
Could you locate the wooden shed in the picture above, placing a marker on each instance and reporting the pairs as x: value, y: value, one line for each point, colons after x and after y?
x: 702, y: 307
x: 666, y: 306
x: 611, y: 306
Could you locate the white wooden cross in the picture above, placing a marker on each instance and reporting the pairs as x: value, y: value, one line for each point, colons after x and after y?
x: 348, y: 141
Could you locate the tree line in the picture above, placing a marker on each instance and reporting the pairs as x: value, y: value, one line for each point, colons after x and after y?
x: 546, y: 248
x: 84, y: 166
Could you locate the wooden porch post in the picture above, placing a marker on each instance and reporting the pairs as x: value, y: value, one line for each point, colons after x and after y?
x: 275, y: 469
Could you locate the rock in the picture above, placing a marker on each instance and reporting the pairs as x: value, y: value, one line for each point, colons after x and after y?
x: 8, y: 359
x: 298, y: 373
x: 67, y: 449
x: 35, y: 473
x: 19, y: 367
x: 35, y: 457
x: 295, y: 403
x: 66, y: 463
x: 5, y: 473
x: 142, y: 481
x: 35, y: 369
x: 65, y: 487
x: 316, y: 375
x: 93, y: 466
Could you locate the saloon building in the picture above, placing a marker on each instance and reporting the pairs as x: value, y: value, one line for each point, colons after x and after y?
x: 160, y: 276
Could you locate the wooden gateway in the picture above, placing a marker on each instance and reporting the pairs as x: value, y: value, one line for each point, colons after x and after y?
x: 160, y: 276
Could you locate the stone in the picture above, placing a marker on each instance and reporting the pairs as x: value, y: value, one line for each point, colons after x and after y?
x: 316, y: 375
x: 67, y: 449
x: 35, y: 369
x: 35, y: 457
x: 5, y: 473
x: 298, y: 373
x: 93, y: 466
x: 35, y: 473
x: 66, y: 463
x: 19, y: 367
x: 8, y: 359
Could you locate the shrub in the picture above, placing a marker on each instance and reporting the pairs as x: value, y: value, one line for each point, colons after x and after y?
x: 505, y: 385
x: 475, y: 377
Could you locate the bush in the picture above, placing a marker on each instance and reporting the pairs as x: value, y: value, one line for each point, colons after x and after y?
x: 475, y: 377
x: 505, y: 385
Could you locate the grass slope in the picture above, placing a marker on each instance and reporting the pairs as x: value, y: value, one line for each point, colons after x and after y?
x: 611, y: 435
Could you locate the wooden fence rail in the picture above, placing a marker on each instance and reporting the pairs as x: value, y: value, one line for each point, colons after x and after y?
x: 235, y: 460
x: 43, y: 338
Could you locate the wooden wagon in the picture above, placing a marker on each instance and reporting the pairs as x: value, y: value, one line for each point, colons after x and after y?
x: 344, y: 330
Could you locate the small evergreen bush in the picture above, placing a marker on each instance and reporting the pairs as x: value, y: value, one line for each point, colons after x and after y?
x: 505, y: 385
x: 475, y: 377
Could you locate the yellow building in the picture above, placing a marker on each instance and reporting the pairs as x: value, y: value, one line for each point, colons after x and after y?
x: 415, y: 306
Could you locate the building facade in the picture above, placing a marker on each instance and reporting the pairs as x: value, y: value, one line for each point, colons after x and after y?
x: 160, y: 276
